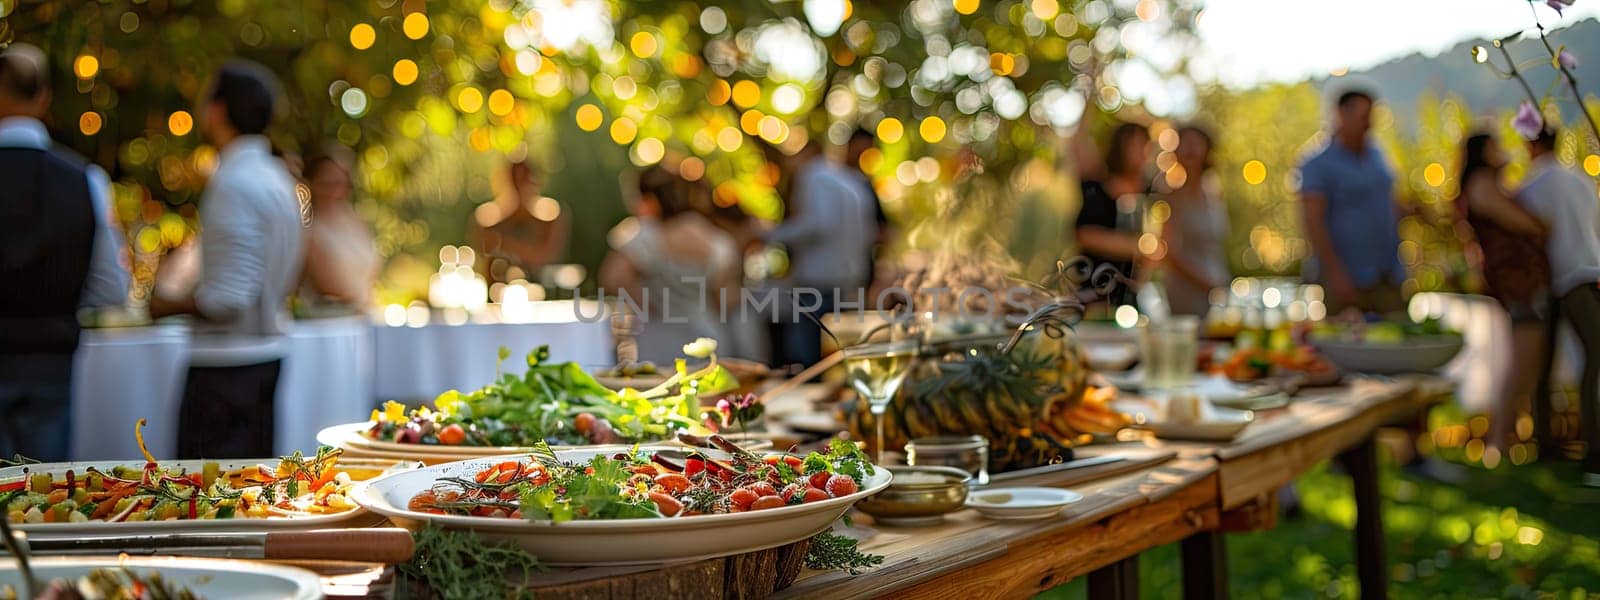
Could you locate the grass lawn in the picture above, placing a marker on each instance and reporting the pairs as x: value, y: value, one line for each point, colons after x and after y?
x: 1513, y: 531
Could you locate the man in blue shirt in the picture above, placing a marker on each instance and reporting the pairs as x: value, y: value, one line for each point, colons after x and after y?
x: 1347, y: 200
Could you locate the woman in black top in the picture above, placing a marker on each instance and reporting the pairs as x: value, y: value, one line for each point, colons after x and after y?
x: 1106, y: 234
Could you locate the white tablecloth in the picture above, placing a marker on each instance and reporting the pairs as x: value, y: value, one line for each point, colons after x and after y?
x: 326, y: 380
x: 121, y: 376
x: 417, y: 363
x: 124, y: 375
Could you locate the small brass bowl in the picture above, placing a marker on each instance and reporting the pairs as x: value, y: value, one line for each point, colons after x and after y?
x: 918, y: 496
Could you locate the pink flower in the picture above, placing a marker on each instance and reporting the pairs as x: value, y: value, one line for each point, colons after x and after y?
x: 1567, y: 59
x: 1559, y: 5
x: 1528, y: 121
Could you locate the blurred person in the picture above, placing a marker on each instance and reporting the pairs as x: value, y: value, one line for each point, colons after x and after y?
x: 1515, y: 271
x: 1106, y: 231
x: 520, y: 225
x: 341, y: 261
x: 1347, y: 203
x: 861, y: 140
x: 251, y: 250
x: 1196, y: 234
x: 58, y: 252
x: 687, y: 264
x: 828, y: 232
x: 1564, y: 201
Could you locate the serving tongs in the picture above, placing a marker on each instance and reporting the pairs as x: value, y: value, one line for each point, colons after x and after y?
x: 17, y: 544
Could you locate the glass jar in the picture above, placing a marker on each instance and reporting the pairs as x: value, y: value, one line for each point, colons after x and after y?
x: 969, y: 453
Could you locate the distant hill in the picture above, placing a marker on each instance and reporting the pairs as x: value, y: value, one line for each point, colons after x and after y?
x: 1402, y: 80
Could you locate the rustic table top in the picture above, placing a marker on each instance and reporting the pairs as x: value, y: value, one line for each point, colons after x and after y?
x: 1161, y: 492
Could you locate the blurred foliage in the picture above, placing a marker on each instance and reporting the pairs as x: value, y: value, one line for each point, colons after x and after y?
x: 971, y: 100
x: 408, y: 82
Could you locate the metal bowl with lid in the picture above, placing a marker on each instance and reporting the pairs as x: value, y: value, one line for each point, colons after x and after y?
x: 918, y: 496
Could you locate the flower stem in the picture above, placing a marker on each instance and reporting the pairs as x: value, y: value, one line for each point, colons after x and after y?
x: 1572, y: 81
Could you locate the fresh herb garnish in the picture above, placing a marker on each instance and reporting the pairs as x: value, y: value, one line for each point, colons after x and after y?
x: 830, y: 551
x: 460, y: 565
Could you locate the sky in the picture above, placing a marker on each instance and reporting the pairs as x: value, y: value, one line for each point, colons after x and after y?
x: 1252, y: 41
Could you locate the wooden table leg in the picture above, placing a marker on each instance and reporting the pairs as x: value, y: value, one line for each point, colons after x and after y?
x: 1361, y: 462
x: 1205, y: 565
x: 1118, y: 580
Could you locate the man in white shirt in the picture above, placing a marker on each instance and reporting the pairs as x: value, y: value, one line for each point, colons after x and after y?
x: 829, y: 235
x: 250, y: 253
x: 1569, y: 206
x: 59, y: 249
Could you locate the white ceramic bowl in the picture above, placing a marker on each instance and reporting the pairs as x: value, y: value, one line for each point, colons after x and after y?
x: 612, y: 542
x: 1416, y: 355
x: 1021, y: 503
x: 206, y: 577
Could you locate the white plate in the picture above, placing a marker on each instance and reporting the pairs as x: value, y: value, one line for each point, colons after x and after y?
x: 206, y: 577
x: 275, y: 523
x: 1021, y: 503
x: 612, y: 542
x: 1111, y: 356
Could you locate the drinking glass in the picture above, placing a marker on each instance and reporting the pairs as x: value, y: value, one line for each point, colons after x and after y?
x: 876, y: 370
x: 1168, y: 351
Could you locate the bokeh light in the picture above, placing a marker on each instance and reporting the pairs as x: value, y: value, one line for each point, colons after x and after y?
x: 415, y: 25
x: 89, y: 123
x: 180, y: 123
x: 1255, y: 172
x: 363, y: 36
x: 589, y: 117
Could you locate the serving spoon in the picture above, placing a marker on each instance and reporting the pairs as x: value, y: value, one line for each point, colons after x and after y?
x: 19, y: 549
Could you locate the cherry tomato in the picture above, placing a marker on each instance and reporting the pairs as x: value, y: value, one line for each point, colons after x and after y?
x: 583, y: 422
x: 692, y: 466
x: 766, y: 502
x: 763, y: 489
x: 452, y: 435
x: 422, y: 501
x: 673, y: 483
x: 820, y: 480
x: 814, y: 495
x: 792, y: 490
x: 668, y: 505
x: 742, y: 498
x: 841, y: 485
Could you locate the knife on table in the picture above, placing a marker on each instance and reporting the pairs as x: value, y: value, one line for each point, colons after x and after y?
x: 379, y: 545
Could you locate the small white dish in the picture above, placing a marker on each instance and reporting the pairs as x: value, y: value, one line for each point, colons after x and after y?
x: 1109, y: 357
x: 1021, y: 503
x: 1214, y: 423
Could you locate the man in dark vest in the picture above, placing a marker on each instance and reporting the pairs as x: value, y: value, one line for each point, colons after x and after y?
x: 58, y: 252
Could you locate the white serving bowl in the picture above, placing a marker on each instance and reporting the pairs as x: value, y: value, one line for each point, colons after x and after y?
x: 611, y: 542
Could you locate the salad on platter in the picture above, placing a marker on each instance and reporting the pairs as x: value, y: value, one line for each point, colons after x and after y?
x: 643, y: 484
x: 558, y: 404
x: 1384, y: 333
x: 298, y: 486
x: 109, y: 583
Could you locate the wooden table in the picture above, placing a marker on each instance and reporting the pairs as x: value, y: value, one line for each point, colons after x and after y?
x: 969, y: 556
x: 1163, y: 492
x: 1321, y: 424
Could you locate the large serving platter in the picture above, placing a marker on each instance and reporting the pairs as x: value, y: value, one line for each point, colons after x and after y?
x: 359, y: 469
x: 348, y: 437
x: 206, y: 577
x: 611, y: 542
